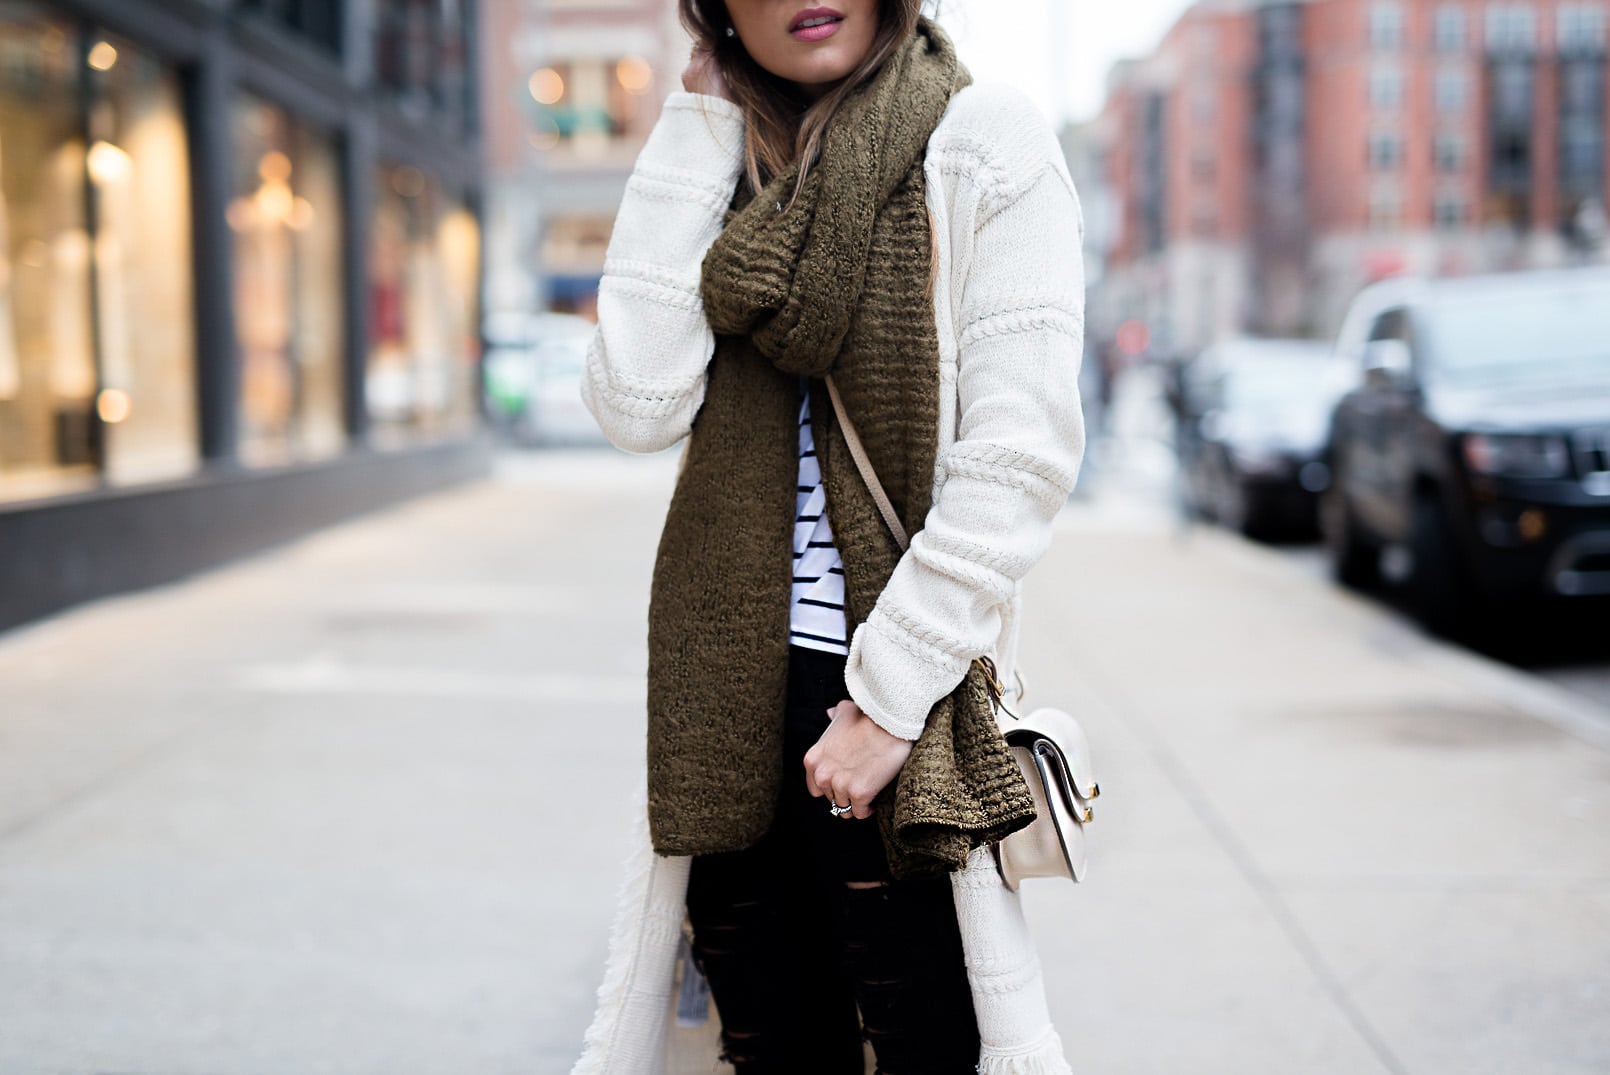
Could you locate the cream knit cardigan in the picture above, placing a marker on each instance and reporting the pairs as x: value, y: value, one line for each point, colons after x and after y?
x: 1009, y: 305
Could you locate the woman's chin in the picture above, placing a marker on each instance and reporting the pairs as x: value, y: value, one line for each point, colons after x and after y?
x: 821, y: 75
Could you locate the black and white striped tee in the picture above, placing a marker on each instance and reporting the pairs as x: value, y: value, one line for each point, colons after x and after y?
x: 817, y: 619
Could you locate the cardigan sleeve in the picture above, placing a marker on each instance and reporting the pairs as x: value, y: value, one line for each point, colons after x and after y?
x: 1020, y: 323
x: 645, y: 372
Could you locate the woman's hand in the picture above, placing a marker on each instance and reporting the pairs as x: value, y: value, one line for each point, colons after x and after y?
x: 703, y: 75
x: 854, y: 760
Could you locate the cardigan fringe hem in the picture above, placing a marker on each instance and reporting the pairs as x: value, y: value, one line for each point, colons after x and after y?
x: 631, y: 1023
x: 628, y: 1028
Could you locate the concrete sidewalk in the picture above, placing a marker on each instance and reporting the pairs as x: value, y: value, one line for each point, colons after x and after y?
x: 359, y: 805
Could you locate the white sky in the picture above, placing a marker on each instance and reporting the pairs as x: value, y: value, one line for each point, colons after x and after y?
x: 1064, y: 69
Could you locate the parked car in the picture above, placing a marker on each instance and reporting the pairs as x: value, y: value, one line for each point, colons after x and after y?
x: 1477, y: 445
x: 533, y: 378
x: 1255, y: 425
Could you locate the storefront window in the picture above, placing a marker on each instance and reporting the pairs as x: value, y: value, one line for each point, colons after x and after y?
x: 97, y: 356
x: 286, y: 216
x: 423, y: 309
x: 421, y: 58
x: 317, y: 20
x: 139, y: 176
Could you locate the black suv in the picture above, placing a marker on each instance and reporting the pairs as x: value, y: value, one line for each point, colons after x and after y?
x: 1473, y: 461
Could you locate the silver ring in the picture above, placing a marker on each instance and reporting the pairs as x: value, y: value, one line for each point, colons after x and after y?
x: 838, y: 811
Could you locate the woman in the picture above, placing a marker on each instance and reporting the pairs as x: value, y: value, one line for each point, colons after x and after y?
x: 830, y: 196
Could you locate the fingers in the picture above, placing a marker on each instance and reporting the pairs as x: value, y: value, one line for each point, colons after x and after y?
x: 813, y: 759
x: 827, y: 777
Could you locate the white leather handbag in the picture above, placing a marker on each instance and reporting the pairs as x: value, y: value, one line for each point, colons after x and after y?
x: 1048, y: 744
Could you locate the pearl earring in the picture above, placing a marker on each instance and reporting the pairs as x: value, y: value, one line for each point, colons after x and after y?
x: 731, y: 32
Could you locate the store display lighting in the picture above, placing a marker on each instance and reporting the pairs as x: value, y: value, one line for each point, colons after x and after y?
x: 300, y: 218
x: 634, y: 74
x: 109, y: 163
x: 113, y: 405
x: 274, y: 167
x: 103, y: 57
x: 273, y: 202
x: 547, y: 86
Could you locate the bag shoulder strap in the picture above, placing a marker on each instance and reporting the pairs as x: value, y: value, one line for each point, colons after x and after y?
x: 864, y: 465
x: 892, y: 520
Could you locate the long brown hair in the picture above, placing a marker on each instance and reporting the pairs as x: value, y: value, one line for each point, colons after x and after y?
x: 781, y: 125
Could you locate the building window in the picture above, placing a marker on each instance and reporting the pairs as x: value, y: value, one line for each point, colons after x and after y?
x: 1204, y: 105
x: 1386, y: 25
x: 421, y: 51
x: 1512, y: 86
x: 421, y: 374
x: 1386, y: 152
x: 1386, y: 88
x: 1449, y: 212
x: 1580, y: 28
x: 573, y: 249
x: 1204, y: 167
x: 1582, y: 88
x: 1449, y: 153
x: 1280, y: 30
x: 1511, y: 28
x: 286, y: 219
x: 139, y: 170
x: 1452, y: 90
x: 588, y: 104
x: 317, y: 20
x: 1511, y: 165
x: 1448, y: 29
x: 1581, y: 154
x: 1507, y: 210
x: 97, y: 358
x: 1386, y: 211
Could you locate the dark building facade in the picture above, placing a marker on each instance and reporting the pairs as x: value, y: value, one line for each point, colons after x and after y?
x: 240, y: 272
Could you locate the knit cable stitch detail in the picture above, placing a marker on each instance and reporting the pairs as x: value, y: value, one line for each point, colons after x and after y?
x: 1008, y: 564
x: 674, y: 297
x: 1004, y: 458
x: 1054, y: 317
x: 938, y: 640
x: 883, y: 623
x: 968, y: 572
x: 647, y: 188
x: 1048, y: 495
x: 650, y: 272
x: 687, y: 178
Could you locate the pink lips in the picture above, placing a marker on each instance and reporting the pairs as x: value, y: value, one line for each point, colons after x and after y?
x: 816, y: 33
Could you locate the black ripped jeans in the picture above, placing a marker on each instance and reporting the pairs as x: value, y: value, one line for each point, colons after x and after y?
x: 797, y: 932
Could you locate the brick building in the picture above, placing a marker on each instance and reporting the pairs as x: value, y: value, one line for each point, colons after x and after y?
x: 1272, y: 156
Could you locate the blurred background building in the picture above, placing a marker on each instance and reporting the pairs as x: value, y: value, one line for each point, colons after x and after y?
x: 573, y: 88
x: 1271, y: 157
x: 239, y: 277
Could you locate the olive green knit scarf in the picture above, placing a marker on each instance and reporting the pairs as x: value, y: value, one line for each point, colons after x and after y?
x: 834, y: 283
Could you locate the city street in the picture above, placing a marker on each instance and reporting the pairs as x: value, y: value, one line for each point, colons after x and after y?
x: 358, y: 805
x: 1571, y: 655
